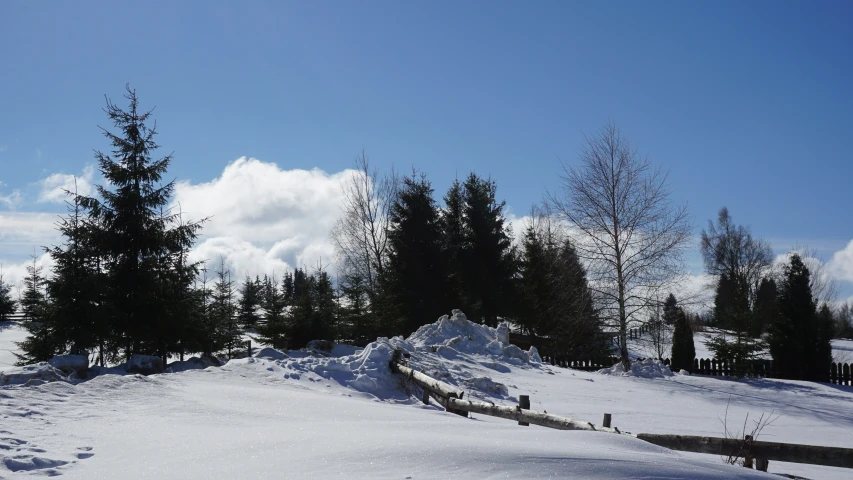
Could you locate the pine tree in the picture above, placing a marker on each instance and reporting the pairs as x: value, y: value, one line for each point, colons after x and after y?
x: 670, y: 310
x: 417, y: 280
x: 683, y: 349
x: 273, y: 329
x: 764, y: 312
x: 489, y: 258
x: 42, y: 342
x: 227, y: 333
x: 7, y: 304
x: 139, y: 242
x: 453, y: 237
x: 302, y: 309
x: 358, y: 324
x: 324, y: 319
x: 77, y: 317
x: 250, y: 301
x: 799, y: 339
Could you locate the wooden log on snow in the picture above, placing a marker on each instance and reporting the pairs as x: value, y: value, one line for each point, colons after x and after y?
x: 438, y: 387
x: 782, y: 452
x: 523, y: 415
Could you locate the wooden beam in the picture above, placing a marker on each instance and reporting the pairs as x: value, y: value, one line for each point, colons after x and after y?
x: 781, y: 452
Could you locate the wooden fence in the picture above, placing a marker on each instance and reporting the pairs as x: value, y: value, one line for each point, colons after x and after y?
x: 839, y: 373
x: 452, y: 400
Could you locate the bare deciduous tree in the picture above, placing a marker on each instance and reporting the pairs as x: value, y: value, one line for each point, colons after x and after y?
x: 360, y: 235
x: 632, y: 237
x: 731, y: 250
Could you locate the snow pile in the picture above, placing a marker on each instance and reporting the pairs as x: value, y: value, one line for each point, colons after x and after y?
x: 271, y: 354
x: 192, y: 363
x: 456, y: 334
x: 35, y: 374
x: 77, y: 364
x: 651, y: 368
x: 144, y: 364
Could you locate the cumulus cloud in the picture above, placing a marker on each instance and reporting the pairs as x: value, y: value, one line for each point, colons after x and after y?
x: 840, y: 266
x: 263, y: 218
x: 14, y: 272
x: 12, y: 200
x: 53, y: 188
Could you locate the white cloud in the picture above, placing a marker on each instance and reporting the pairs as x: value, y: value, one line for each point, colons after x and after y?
x: 264, y: 218
x: 53, y: 188
x: 14, y: 273
x: 12, y: 200
x: 840, y: 266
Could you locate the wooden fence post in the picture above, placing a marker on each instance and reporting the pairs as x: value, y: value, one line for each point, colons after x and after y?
x: 249, y: 347
x: 606, y: 422
x: 747, y: 456
x: 524, y: 403
x: 425, y: 399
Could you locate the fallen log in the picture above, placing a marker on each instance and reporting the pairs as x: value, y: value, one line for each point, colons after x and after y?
x: 781, y: 452
x: 436, y: 386
x: 524, y: 415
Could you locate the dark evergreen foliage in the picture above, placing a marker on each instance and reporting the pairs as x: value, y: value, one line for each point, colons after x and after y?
x: 140, y: 244
x: 765, y: 309
x: 7, y: 304
x: 417, y: 284
x: 273, y: 329
x: 42, y: 342
x: 555, y: 302
x: 671, y: 310
x: 683, y: 349
x: 799, y: 337
x: 250, y: 303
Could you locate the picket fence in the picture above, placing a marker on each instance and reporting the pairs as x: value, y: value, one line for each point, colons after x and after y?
x: 839, y: 373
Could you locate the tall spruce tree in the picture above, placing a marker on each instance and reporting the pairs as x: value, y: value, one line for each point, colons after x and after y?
x: 77, y: 317
x: 273, y: 329
x: 139, y: 242
x: 250, y: 302
x: 555, y: 302
x: 42, y: 341
x: 417, y: 280
x: 7, y: 303
x: 358, y: 324
x: 453, y: 243
x: 683, y: 348
x: 670, y: 310
x: 227, y: 331
x: 488, y: 260
x: 798, y: 343
x: 302, y: 309
x: 765, y: 310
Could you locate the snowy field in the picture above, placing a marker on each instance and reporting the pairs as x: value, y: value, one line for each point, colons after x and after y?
x: 301, y: 416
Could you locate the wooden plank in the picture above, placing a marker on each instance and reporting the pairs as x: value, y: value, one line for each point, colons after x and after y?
x: 524, y: 404
x: 781, y: 452
x: 529, y: 416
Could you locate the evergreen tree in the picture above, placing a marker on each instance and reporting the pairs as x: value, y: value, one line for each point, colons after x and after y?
x: 555, y: 300
x: 140, y: 243
x: 819, y: 357
x: 274, y: 328
x: 227, y: 332
x: 799, y: 339
x: 683, y: 349
x: 488, y: 260
x: 671, y: 310
x: 42, y: 342
x: 76, y: 315
x: 7, y: 304
x: 302, y: 309
x: 250, y: 302
x: 453, y: 243
x: 324, y: 319
x: 287, y: 288
x: 765, y: 311
x: 358, y: 325
x: 417, y: 280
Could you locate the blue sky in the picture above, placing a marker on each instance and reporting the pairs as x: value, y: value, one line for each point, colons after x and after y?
x: 749, y: 104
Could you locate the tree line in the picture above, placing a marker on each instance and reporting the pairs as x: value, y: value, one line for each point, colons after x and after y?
x: 603, y: 252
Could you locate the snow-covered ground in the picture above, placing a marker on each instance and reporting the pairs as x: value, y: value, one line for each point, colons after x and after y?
x: 300, y: 416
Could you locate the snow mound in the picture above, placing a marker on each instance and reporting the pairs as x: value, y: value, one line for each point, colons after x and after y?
x: 487, y: 385
x: 31, y: 375
x: 456, y: 332
x: 270, y: 353
x: 192, y: 363
x: 77, y: 364
x: 651, y: 368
